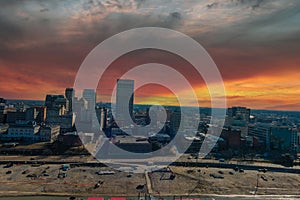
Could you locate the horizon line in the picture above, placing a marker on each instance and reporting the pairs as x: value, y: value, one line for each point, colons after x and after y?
x: 257, y: 109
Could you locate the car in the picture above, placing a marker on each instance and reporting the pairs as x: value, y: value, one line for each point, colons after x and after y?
x: 216, y: 176
x: 264, y: 178
x: 129, y: 174
x: 8, y: 172
x: 8, y: 165
x: 222, y: 160
x: 265, y: 170
x: 62, y: 175
x: 25, y: 172
x: 32, y: 176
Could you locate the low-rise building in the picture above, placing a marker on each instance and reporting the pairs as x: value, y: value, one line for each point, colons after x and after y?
x: 49, y: 133
x: 30, y: 132
x: 22, y: 131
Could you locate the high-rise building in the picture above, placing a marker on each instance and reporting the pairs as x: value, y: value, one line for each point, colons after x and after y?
x: 124, y: 97
x: 57, y: 102
x: 70, y: 93
x: 56, y: 106
x: 90, y: 96
x: 56, y: 112
x: 238, y: 115
x: 262, y: 132
x: 238, y: 119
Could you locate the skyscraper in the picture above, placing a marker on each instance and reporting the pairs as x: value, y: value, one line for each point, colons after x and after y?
x: 238, y: 118
x: 90, y: 96
x: 70, y: 93
x: 124, y: 97
x: 238, y: 115
x: 56, y: 105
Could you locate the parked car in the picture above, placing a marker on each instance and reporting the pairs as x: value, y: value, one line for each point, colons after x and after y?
x: 62, y: 175
x: 32, y: 176
x: 216, y: 176
x: 8, y: 165
x: 25, y: 172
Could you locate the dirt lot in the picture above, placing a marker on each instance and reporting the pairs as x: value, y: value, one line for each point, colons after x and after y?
x: 226, y: 181
x: 28, y: 179
x: 79, y: 180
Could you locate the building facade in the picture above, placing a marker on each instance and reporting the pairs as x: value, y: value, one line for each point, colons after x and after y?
x: 124, y: 97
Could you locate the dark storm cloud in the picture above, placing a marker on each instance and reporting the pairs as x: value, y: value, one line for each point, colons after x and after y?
x: 256, y: 45
x: 35, y: 47
x: 46, y: 41
x: 9, y: 31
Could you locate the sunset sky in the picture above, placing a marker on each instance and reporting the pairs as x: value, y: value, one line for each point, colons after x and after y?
x: 254, y: 43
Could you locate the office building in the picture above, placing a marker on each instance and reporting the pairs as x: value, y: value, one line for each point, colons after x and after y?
x: 14, y: 116
x: 238, y: 119
x: 23, y: 132
x: 90, y: 96
x: 56, y: 106
x: 36, y: 113
x: 124, y: 97
x: 262, y: 132
x: 70, y: 94
x: 284, y: 138
x: 57, y: 114
x: 49, y: 133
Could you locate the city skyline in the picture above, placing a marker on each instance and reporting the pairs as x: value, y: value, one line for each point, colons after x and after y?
x: 254, y: 44
x: 43, y: 101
